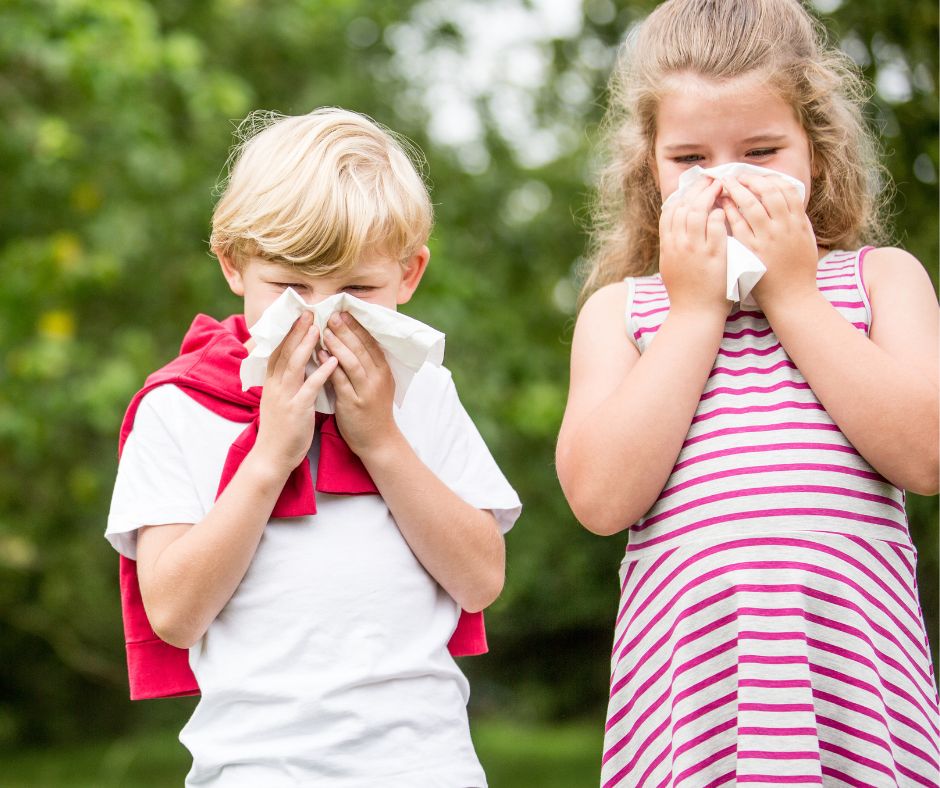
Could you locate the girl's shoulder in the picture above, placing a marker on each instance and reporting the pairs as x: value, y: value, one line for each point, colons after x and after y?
x: 888, y: 270
x: 605, y: 308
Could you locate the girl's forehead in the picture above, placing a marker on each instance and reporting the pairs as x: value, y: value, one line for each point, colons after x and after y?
x: 754, y: 86
x: 701, y: 106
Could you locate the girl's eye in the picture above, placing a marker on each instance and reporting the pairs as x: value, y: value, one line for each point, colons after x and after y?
x: 761, y: 153
x: 691, y: 158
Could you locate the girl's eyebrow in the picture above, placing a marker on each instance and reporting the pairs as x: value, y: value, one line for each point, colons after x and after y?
x: 681, y: 147
x: 767, y: 136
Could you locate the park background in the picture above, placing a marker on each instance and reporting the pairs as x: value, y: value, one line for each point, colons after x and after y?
x: 117, y: 118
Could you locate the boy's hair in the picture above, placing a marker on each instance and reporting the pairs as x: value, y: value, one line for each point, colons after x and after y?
x: 318, y: 191
x: 777, y: 41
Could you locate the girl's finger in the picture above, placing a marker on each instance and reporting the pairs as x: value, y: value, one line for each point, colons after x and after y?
x: 704, y: 199
x: 746, y: 201
x: 768, y: 191
x: 680, y: 219
x: 695, y: 223
x: 716, y: 233
x: 740, y: 228
x: 666, y: 219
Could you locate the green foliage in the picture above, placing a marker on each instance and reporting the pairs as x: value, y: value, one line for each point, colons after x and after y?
x: 513, y: 755
x: 117, y: 119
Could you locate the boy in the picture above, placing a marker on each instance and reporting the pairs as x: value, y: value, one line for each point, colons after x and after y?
x: 316, y: 622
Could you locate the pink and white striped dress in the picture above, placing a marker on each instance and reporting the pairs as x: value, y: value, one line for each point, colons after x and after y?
x: 769, y: 629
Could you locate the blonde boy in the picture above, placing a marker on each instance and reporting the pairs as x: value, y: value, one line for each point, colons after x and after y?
x: 317, y: 622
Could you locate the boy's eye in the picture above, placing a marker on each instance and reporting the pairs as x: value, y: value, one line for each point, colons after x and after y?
x: 295, y: 285
x: 358, y: 288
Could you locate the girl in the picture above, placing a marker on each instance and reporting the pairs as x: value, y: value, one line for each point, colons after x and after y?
x: 769, y: 628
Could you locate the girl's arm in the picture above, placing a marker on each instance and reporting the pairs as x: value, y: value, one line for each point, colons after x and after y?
x: 882, y: 390
x: 628, y: 415
x: 460, y: 546
x: 188, y: 572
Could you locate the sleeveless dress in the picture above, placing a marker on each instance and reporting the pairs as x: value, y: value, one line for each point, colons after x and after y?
x: 769, y: 629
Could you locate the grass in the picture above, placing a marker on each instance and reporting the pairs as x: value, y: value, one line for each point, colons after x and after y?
x: 515, y: 755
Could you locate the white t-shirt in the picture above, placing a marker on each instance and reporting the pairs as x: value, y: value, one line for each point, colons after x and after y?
x: 329, y: 664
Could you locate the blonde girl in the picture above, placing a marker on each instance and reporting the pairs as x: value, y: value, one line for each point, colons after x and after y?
x: 769, y: 629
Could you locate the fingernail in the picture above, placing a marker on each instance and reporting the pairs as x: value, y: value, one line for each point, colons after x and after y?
x: 335, y: 319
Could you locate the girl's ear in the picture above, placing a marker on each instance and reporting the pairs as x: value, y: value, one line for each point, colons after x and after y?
x: 231, y: 273
x: 412, y: 271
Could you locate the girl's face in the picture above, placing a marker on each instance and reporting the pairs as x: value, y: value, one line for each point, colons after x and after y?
x: 706, y: 122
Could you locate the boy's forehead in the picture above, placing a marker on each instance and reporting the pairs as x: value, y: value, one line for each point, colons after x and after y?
x: 367, y: 265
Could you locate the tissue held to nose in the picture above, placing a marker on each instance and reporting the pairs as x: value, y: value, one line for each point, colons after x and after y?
x: 744, y: 268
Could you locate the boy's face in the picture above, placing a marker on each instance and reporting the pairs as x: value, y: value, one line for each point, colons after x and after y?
x: 375, y: 278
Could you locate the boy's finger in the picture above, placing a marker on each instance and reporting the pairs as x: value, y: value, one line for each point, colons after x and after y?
x: 340, y: 380
x: 350, y: 338
x: 349, y: 362
x: 368, y: 341
x: 294, y: 337
x: 320, y: 375
x: 296, y: 365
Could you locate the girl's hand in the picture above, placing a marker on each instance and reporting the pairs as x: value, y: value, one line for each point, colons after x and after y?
x: 288, y: 413
x: 692, y: 249
x: 766, y: 214
x: 363, y: 384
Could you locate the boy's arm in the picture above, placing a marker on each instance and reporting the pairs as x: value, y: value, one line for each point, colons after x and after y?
x: 189, y: 572
x: 459, y: 545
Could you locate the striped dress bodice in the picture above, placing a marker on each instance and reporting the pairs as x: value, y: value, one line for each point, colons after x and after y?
x: 769, y: 630
x: 762, y: 455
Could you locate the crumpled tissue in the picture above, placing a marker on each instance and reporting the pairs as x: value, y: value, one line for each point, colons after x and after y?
x: 407, y: 343
x: 744, y: 268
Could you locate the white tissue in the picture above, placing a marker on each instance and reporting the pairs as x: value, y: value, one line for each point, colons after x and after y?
x: 407, y: 343
x: 744, y: 268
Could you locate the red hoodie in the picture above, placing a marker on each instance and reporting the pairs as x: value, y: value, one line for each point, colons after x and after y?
x: 207, y: 369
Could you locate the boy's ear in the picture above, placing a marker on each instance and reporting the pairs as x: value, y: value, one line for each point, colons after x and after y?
x: 231, y: 273
x: 412, y: 271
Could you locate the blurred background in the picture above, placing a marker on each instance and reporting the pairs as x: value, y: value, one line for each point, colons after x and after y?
x: 117, y: 118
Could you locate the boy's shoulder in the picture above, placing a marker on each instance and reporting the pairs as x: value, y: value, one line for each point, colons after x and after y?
x: 429, y: 388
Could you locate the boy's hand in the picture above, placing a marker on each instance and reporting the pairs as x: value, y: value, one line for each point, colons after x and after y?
x: 692, y: 249
x: 288, y: 412
x: 363, y: 384
x: 766, y: 214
